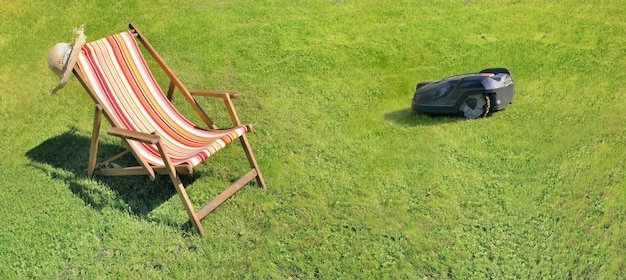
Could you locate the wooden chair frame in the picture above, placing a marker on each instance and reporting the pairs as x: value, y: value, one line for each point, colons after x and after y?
x: 168, y: 168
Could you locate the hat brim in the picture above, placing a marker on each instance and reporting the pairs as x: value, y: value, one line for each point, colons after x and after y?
x: 71, y: 62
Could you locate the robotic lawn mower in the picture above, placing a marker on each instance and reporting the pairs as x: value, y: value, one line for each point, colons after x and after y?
x: 471, y: 95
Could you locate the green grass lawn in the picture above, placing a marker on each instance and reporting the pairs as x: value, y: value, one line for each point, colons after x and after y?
x: 358, y: 185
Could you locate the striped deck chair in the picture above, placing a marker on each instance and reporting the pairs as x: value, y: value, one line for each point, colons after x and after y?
x: 114, y: 72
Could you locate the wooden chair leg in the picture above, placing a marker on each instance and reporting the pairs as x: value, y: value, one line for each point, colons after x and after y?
x: 253, y: 164
x: 244, y: 140
x: 180, y: 189
x: 95, y: 133
x: 170, y: 91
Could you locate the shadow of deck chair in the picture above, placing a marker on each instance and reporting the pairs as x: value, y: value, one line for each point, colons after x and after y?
x: 114, y: 72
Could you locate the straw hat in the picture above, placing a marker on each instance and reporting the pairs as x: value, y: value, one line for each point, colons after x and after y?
x: 62, y: 58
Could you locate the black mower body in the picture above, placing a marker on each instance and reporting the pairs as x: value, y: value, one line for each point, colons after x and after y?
x: 445, y: 96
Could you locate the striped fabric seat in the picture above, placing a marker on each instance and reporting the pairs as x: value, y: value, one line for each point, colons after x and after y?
x: 130, y: 96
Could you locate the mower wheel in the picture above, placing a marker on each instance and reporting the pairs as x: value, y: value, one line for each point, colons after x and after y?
x: 475, y: 106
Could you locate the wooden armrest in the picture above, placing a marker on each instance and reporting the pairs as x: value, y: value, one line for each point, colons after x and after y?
x: 214, y: 93
x: 134, y: 135
x: 226, y: 96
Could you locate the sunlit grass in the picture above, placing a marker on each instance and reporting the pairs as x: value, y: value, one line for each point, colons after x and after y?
x: 358, y: 185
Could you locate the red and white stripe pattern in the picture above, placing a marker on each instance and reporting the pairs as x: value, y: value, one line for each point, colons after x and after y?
x: 127, y: 91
